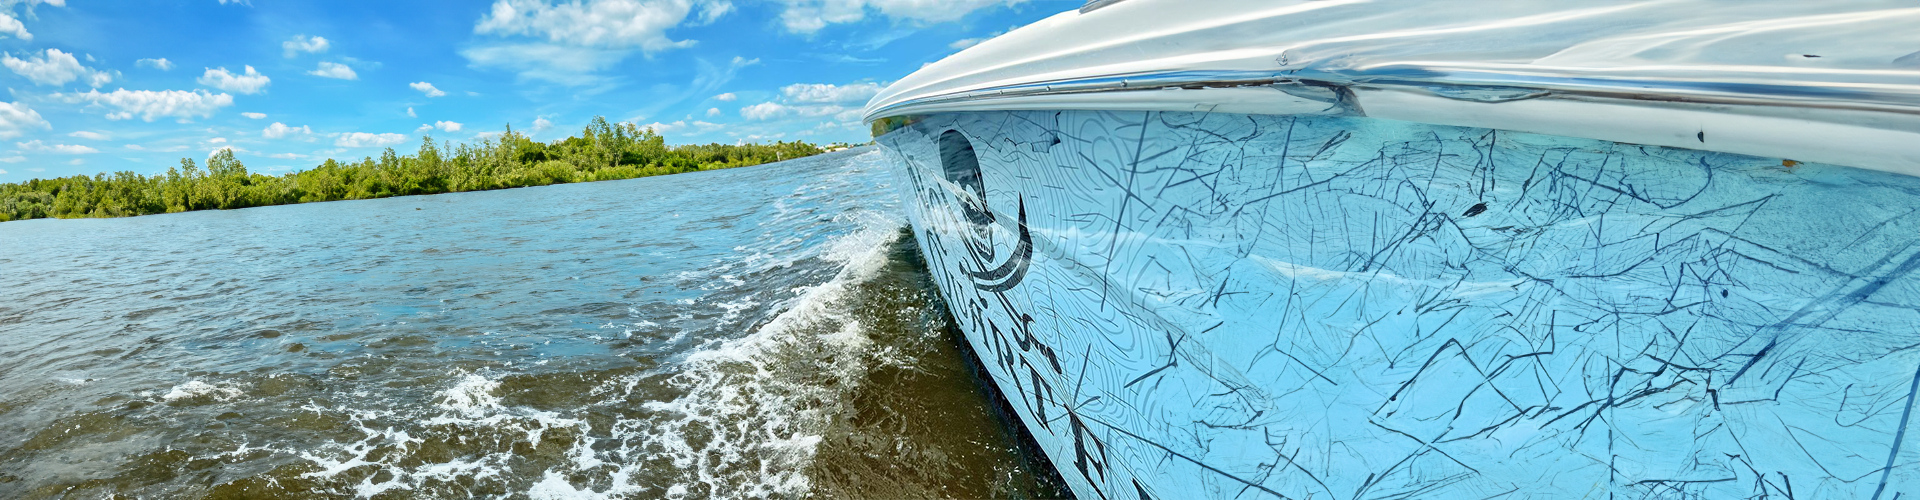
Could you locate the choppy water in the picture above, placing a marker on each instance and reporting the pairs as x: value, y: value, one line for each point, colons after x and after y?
x: 755, y: 332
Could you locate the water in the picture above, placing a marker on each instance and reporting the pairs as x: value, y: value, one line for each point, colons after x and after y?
x: 754, y: 332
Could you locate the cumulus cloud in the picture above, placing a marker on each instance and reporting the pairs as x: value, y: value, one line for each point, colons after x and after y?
x: 567, y: 42
x: 167, y: 149
x: 278, y: 130
x: 426, y: 88
x: 334, y: 70
x: 17, y: 118
x: 410, y: 112
x: 693, y: 127
x: 712, y: 112
x: 11, y: 26
x: 369, y: 140
x: 303, y: 43
x: 842, y: 102
x: 229, y: 147
x: 541, y: 124
x: 444, y: 126
x: 37, y: 146
x: 808, y: 16
x: 250, y: 82
x: 965, y: 42
x: 161, y: 64
x: 89, y: 135
x: 773, y: 110
x: 638, y: 24
x: 54, y: 68
x: 151, y: 104
x: 543, y: 61
x: 827, y: 93
x: 727, y: 97
x: 253, y: 115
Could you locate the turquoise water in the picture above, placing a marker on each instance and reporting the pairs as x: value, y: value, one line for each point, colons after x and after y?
x: 754, y: 332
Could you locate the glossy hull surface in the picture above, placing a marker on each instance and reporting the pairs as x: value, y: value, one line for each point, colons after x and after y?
x: 1186, y: 305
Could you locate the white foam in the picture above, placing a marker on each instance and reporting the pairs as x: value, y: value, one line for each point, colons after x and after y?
x: 747, y: 425
x: 473, y: 394
x: 755, y: 406
x: 196, y: 388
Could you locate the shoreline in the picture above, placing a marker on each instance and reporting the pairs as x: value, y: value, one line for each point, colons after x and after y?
x: 601, y: 152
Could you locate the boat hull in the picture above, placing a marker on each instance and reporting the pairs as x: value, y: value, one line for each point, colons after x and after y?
x: 1184, y: 305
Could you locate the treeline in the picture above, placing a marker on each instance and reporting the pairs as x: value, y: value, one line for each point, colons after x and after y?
x: 602, y: 151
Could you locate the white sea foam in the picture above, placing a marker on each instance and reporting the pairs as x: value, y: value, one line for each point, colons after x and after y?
x: 751, y: 419
x: 474, y: 394
x: 196, y: 389
x: 747, y: 424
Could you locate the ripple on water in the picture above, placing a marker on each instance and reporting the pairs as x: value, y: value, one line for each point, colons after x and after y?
x: 576, y: 341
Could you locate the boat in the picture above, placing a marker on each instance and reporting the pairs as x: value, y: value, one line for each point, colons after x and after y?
x: 1352, y: 249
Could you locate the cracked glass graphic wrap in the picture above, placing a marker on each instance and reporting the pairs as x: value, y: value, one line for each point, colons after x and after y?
x: 1244, y: 306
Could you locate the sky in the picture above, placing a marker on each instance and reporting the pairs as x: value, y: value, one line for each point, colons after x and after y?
x: 137, y: 85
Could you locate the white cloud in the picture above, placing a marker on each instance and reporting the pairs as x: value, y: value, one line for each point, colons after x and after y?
x: 695, y: 127
x: 334, y: 70
x: 250, y: 82
x: 727, y: 97
x: 217, y: 140
x: 410, y: 112
x: 712, y: 112
x: 254, y: 115
x: 287, y: 156
x: 11, y: 26
x: 278, y: 130
x: 168, y: 149
x: 442, y: 125
x: 77, y: 161
x: 303, y: 43
x: 54, y: 68
x: 13, y: 159
x: 808, y: 16
x: 37, y: 146
x: 828, y: 108
x: 541, y: 61
x: 150, y: 104
x: 773, y: 110
x: 426, y: 88
x: 827, y: 93
x: 541, y: 124
x: 161, y: 64
x: 16, y: 118
x: 965, y: 42
x: 638, y: 24
x: 229, y: 147
x: 366, y: 140
x: 89, y: 135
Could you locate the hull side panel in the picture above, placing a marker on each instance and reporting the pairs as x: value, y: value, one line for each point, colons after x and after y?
x: 1241, y: 306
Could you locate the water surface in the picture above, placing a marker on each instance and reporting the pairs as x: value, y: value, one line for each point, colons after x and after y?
x: 754, y: 332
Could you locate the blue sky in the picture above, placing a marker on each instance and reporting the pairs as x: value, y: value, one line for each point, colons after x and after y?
x: 137, y: 85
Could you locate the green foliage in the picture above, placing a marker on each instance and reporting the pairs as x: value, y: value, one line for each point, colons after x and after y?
x: 603, y: 151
